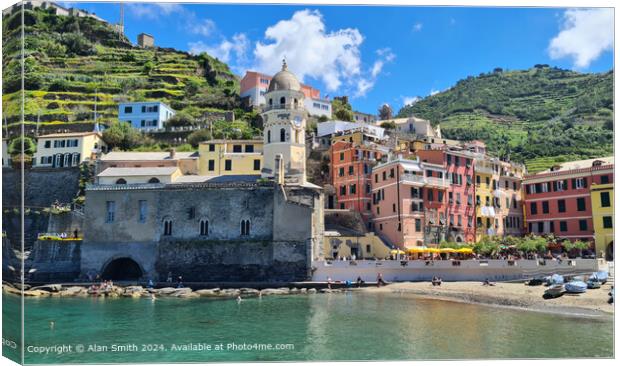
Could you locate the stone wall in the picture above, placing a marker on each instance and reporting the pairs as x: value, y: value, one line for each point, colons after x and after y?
x: 54, y: 261
x: 35, y: 222
x: 42, y: 186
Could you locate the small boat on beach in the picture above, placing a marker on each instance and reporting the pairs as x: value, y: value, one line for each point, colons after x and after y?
x: 554, y: 291
x: 555, y: 279
x: 593, y: 283
x: 536, y: 281
x: 600, y: 276
x: 576, y: 287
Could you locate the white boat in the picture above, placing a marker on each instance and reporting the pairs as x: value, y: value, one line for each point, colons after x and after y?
x: 576, y: 287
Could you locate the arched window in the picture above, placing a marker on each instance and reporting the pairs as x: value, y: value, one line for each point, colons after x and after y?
x: 121, y: 181
x: 295, y: 102
x: 270, y: 102
x: 153, y: 180
x: 167, y: 227
x: 282, y: 135
x: 245, y: 227
x: 296, y: 137
x: 269, y: 136
x: 282, y: 101
x: 204, y: 227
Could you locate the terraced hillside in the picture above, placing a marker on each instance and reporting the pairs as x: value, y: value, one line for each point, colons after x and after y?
x: 72, y: 62
x: 538, y: 116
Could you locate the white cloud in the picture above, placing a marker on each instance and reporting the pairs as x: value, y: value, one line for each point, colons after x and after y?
x: 417, y: 27
x: 433, y: 92
x: 585, y: 34
x: 376, y: 68
x: 154, y: 11
x: 224, y: 51
x: 204, y: 27
x: 386, y: 53
x: 410, y: 100
x: 311, y: 51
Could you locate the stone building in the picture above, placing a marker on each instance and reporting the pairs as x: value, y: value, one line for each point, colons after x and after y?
x: 229, y: 228
x: 146, y: 40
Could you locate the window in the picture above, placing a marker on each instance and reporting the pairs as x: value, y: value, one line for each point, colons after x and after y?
x: 605, y: 201
x: 533, y: 208
x: 487, y: 180
x: 128, y: 110
x: 583, y: 225
x: 142, y: 211
x: 607, y: 222
x: 352, y: 188
x: 392, y: 173
x: 256, y: 164
x: 581, y: 204
x: 154, y: 180
x: 211, y: 165
x: 351, y: 171
x: 384, y: 175
x: 282, y: 135
x: 249, y: 148
x: 343, y: 190
x: 563, y: 226
x: 48, y: 144
x: 282, y: 100
x: 211, y: 147
x: 545, y: 207
x: 604, y: 178
x: 167, y: 227
x: 459, y: 220
x: 245, y: 227
x: 514, y: 185
x: 477, y: 180
x: 393, y: 207
x: 341, y: 156
x: 430, y: 194
x: 579, y: 183
x: 341, y: 172
x: 110, y: 210
x: 191, y: 213
x: 541, y: 227
x: 268, y: 136
x: 237, y: 148
x: 121, y: 181
x: 561, y: 206
x: 228, y: 165
x: 418, y: 225
x: 204, y: 227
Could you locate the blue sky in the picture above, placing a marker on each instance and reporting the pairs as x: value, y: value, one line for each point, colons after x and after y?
x: 376, y: 54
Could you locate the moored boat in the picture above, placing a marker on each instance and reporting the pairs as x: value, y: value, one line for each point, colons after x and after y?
x: 576, y: 287
x: 555, y: 279
x: 593, y: 283
x: 554, y: 291
x: 600, y: 276
x: 536, y: 281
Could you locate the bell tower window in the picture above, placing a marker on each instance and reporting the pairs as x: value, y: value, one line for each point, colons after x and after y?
x: 282, y: 135
x: 268, y: 136
x: 282, y: 101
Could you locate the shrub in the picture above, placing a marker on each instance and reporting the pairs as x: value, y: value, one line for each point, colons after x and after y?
x: 181, y: 119
x: 121, y: 135
x: 196, y: 137
x: 15, y: 146
x: 78, y: 45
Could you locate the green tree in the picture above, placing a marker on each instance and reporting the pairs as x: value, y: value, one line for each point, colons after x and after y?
x: 388, y: 125
x: 181, y: 119
x: 342, y: 109
x: 196, y: 137
x: 122, y: 135
x: 15, y: 146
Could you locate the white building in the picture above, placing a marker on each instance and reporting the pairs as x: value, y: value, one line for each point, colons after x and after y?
x: 413, y: 126
x: 145, y: 115
x: 60, y: 150
x: 330, y: 128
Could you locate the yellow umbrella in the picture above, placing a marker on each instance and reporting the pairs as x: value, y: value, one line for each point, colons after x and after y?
x: 447, y: 250
x: 416, y: 250
x: 396, y: 251
x: 433, y: 250
x: 465, y: 250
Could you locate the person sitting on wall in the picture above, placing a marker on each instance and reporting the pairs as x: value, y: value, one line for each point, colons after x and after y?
x: 180, y: 282
x: 380, y: 281
x: 359, y: 281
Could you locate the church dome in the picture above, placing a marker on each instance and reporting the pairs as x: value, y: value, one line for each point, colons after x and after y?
x: 284, y: 80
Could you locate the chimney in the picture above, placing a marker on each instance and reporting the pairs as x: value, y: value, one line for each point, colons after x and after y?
x: 279, y: 169
x: 172, y: 153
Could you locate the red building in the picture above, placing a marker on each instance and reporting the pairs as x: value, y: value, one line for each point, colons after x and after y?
x: 558, y: 200
x: 457, y: 213
x: 351, y: 169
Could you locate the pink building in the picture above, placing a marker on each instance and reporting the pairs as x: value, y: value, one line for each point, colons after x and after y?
x: 558, y: 200
x: 404, y: 192
x: 254, y: 86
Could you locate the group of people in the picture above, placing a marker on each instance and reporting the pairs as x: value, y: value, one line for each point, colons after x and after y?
x: 436, y: 281
x: 103, y: 286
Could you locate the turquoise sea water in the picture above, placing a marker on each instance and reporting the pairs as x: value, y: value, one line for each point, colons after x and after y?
x: 348, y: 326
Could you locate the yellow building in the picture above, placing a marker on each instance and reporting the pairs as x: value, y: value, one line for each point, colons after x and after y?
x: 67, y: 149
x: 142, y: 175
x: 230, y: 157
x: 367, y: 246
x: 602, y: 196
x: 499, y: 200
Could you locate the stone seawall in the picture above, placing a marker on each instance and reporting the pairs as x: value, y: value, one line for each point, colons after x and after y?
x: 42, y: 186
x: 35, y: 221
x: 54, y: 261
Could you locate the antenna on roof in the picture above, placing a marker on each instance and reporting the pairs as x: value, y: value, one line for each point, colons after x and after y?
x: 284, y: 66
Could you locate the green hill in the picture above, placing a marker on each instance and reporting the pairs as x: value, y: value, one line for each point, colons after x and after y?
x: 537, y: 116
x: 70, y: 61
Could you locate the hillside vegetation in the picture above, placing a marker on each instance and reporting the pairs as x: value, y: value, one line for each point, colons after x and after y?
x: 537, y: 116
x: 72, y: 61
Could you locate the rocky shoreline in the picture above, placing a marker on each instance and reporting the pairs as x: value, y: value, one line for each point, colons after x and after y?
x: 58, y: 290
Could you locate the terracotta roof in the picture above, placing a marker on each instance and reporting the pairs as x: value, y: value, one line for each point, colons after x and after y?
x: 580, y: 164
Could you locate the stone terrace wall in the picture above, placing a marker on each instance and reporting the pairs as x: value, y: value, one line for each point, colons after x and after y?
x: 42, y: 186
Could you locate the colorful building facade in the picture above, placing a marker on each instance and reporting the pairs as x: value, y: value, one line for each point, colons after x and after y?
x: 351, y: 172
x: 559, y: 200
x: 602, y: 196
x: 60, y: 150
x: 230, y: 157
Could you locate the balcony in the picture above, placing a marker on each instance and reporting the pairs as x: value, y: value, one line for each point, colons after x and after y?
x: 429, y: 181
x: 287, y: 106
x: 485, y: 170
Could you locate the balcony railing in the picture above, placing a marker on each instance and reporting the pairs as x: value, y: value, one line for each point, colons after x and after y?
x: 431, y: 181
x: 298, y: 106
x: 485, y: 170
